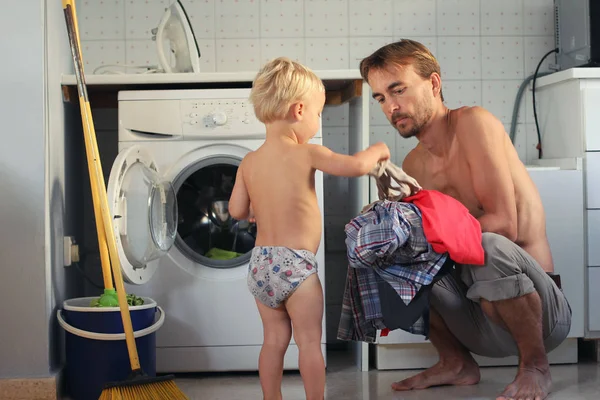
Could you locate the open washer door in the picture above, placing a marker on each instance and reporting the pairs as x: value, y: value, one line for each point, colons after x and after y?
x: 143, y: 208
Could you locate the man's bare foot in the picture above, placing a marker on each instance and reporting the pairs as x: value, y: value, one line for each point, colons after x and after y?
x: 530, y: 384
x: 461, y: 373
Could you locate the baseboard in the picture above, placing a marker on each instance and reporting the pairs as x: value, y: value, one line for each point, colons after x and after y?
x: 28, y: 389
x: 424, y: 355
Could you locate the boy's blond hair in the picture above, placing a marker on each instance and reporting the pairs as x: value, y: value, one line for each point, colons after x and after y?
x: 279, y: 84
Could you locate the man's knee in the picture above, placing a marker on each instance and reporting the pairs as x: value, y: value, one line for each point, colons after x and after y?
x: 502, y: 276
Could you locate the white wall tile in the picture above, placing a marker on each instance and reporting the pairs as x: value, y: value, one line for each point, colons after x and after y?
x: 461, y: 93
x: 237, y: 19
x: 458, y: 18
x: 238, y: 55
x: 273, y: 48
x: 281, y: 18
x: 361, y: 47
x: 535, y: 48
x: 387, y: 135
x: 502, y: 57
x: 101, y: 20
x: 336, y: 138
x: 141, y: 53
x: 460, y: 57
x: 141, y: 16
x: 327, y: 53
x: 520, y: 142
x: 538, y: 17
x: 326, y: 18
x: 336, y: 115
x: 502, y: 18
x: 102, y: 52
x: 376, y: 115
x: 202, y: 17
x: 208, y: 56
x: 371, y: 18
x: 428, y: 41
x: 499, y: 99
x: 412, y: 18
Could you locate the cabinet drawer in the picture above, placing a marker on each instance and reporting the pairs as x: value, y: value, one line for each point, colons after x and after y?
x: 592, y: 179
x: 593, y: 299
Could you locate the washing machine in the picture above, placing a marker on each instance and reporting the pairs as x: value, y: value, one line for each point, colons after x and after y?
x: 168, y: 192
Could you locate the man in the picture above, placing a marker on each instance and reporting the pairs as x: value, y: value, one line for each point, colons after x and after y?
x: 511, y: 305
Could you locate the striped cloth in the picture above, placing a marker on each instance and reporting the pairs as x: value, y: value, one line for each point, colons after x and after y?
x: 385, y: 242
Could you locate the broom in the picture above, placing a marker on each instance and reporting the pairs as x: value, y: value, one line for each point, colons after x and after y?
x: 138, y: 385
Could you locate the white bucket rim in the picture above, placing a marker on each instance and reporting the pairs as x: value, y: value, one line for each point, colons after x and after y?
x: 148, y: 303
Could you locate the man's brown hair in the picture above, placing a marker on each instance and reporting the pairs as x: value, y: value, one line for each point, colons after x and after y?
x: 403, y: 52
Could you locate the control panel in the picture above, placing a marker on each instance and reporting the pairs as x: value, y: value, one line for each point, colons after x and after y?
x: 219, y: 118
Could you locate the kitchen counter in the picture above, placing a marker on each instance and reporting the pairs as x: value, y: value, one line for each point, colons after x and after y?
x: 571, y: 73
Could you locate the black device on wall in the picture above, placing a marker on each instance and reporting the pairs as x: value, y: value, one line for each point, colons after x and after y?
x: 577, y: 33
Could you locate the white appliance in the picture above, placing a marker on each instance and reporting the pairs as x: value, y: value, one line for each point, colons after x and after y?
x: 565, y: 230
x: 176, y: 29
x: 178, y: 155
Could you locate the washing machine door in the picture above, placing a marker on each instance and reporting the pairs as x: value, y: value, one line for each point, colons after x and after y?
x: 143, y: 207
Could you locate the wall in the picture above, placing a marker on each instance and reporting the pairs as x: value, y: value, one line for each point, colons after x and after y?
x: 24, y: 346
x: 486, y: 48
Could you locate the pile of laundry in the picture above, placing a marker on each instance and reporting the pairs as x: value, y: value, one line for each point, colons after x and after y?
x: 397, y: 248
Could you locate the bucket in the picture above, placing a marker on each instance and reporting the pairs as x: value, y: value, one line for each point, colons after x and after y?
x: 96, y: 352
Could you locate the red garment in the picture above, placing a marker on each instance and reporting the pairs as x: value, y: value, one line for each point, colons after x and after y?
x: 449, y: 227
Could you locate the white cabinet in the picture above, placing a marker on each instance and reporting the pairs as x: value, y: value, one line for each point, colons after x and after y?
x: 568, y: 111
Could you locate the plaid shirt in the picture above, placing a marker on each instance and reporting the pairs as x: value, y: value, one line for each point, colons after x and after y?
x: 386, y: 243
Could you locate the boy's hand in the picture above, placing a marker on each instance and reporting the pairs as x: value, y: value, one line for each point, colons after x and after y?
x: 384, y: 151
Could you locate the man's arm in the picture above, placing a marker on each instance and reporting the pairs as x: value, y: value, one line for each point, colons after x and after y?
x: 481, y: 137
x: 239, y: 202
x: 355, y: 165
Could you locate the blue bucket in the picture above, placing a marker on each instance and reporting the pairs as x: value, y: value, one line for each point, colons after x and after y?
x: 96, y: 352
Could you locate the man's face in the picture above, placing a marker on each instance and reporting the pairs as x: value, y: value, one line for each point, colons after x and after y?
x: 405, y: 98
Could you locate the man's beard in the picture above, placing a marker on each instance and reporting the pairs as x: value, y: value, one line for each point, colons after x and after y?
x: 419, y: 120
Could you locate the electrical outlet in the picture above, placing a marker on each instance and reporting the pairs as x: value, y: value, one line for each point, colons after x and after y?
x: 70, y: 250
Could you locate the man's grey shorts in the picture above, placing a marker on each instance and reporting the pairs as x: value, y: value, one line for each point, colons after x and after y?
x: 509, y: 272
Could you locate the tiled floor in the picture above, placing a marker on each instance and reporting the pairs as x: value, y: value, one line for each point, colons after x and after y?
x: 344, y: 382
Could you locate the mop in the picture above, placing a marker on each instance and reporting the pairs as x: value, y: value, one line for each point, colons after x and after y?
x: 138, y: 385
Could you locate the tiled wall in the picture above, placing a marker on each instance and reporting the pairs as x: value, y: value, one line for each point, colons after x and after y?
x: 486, y: 48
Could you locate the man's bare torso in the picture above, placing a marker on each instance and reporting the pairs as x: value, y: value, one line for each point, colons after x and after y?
x: 280, y: 182
x: 451, y: 175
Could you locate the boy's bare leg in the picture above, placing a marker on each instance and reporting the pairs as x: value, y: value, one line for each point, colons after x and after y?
x: 305, y: 307
x: 277, y: 330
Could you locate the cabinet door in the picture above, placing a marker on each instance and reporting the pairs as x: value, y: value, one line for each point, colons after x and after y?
x: 593, y: 238
x: 591, y: 118
x: 593, y: 298
x: 592, y: 179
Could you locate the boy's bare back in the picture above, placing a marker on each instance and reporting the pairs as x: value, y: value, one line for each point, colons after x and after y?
x: 279, y: 178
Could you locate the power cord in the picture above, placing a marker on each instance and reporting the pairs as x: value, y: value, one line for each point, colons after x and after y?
x: 146, y: 69
x: 83, y: 273
x: 537, y: 126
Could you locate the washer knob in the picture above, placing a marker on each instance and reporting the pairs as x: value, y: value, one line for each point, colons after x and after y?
x: 220, y: 118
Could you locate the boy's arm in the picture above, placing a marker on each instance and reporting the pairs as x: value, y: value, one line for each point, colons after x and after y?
x: 358, y: 164
x: 239, y: 202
